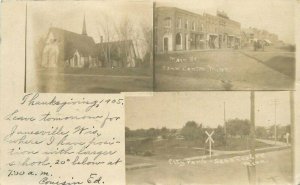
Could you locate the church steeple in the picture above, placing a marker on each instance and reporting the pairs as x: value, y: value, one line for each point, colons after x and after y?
x: 84, y: 27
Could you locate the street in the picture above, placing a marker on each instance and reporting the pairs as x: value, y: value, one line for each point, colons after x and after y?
x: 270, y: 170
x: 225, y: 70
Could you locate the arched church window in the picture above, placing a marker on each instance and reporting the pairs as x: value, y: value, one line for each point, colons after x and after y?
x: 75, y: 61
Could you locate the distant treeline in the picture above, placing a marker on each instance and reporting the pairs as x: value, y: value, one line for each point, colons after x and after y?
x: 239, y: 128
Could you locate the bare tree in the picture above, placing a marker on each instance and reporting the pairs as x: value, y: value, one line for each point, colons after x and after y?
x: 137, y: 38
x: 147, y: 31
x: 124, y: 30
x: 108, y: 30
x: 39, y: 47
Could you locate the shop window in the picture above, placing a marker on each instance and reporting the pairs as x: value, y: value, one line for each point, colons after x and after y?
x: 178, y: 39
x: 178, y: 23
x: 186, y: 24
x: 194, y: 26
x: 168, y: 22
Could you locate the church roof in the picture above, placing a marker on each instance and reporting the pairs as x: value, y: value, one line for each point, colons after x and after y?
x: 74, y: 41
x: 86, y: 45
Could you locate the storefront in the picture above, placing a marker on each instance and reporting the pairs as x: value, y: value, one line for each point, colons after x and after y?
x: 213, y: 41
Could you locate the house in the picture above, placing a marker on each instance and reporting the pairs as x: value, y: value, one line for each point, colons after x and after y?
x: 68, y: 49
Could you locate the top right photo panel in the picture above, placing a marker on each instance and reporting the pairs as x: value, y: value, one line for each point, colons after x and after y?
x: 224, y: 45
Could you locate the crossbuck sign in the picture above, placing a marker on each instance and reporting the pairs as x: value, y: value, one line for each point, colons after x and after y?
x: 209, y: 140
x: 287, y: 137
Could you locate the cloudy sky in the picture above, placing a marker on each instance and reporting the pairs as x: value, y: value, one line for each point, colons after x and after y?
x: 173, y: 110
x: 69, y: 15
x: 276, y: 16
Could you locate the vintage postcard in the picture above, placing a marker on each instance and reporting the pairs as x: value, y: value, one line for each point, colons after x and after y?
x: 224, y: 45
x: 210, y: 138
x: 52, y: 138
x: 99, y: 47
x: 149, y: 92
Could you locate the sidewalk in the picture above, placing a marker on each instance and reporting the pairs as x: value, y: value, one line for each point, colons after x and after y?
x: 139, y: 166
x: 220, y: 153
x: 197, y: 50
x: 272, y: 142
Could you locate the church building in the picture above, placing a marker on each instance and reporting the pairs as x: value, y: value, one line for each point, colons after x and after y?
x: 68, y: 49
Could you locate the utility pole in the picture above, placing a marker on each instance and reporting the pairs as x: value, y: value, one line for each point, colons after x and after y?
x: 275, y: 120
x: 252, y: 164
x: 292, y: 114
x: 225, y: 129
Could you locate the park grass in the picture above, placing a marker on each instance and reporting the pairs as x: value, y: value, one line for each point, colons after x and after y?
x: 163, y: 149
x: 62, y: 83
x: 237, y: 144
x: 109, y: 71
x: 179, y: 149
x: 283, y: 62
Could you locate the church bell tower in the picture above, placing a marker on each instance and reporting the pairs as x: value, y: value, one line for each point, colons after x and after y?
x: 84, y: 27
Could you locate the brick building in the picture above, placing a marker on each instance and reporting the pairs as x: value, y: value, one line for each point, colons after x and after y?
x: 222, y: 32
x: 177, y: 29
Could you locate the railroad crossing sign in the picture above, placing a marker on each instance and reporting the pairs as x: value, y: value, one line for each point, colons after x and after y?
x: 287, y: 135
x: 209, y: 140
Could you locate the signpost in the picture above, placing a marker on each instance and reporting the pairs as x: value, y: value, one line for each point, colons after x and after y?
x: 209, y: 140
x: 252, y: 166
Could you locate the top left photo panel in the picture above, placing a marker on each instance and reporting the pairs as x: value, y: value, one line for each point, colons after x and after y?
x: 89, y: 47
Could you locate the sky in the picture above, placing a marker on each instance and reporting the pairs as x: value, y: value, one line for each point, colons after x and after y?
x: 273, y: 15
x: 174, y: 109
x: 276, y: 16
x: 69, y: 15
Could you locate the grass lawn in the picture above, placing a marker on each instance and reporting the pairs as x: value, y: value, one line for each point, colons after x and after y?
x: 79, y: 83
x: 163, y: 149
x: 108, y: 71
x: 284, y: 62
x: 179, y: 149
x: 235, y: 144
x: 177, y: 152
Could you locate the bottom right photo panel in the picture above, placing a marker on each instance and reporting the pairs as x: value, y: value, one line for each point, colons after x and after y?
x: 180, y: 138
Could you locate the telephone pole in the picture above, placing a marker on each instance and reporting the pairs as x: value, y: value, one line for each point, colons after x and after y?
x: 292, y: 118
x: 225, y: 129
x: 292, y: 114
x: 252, y: 164
x: 275, y: 120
